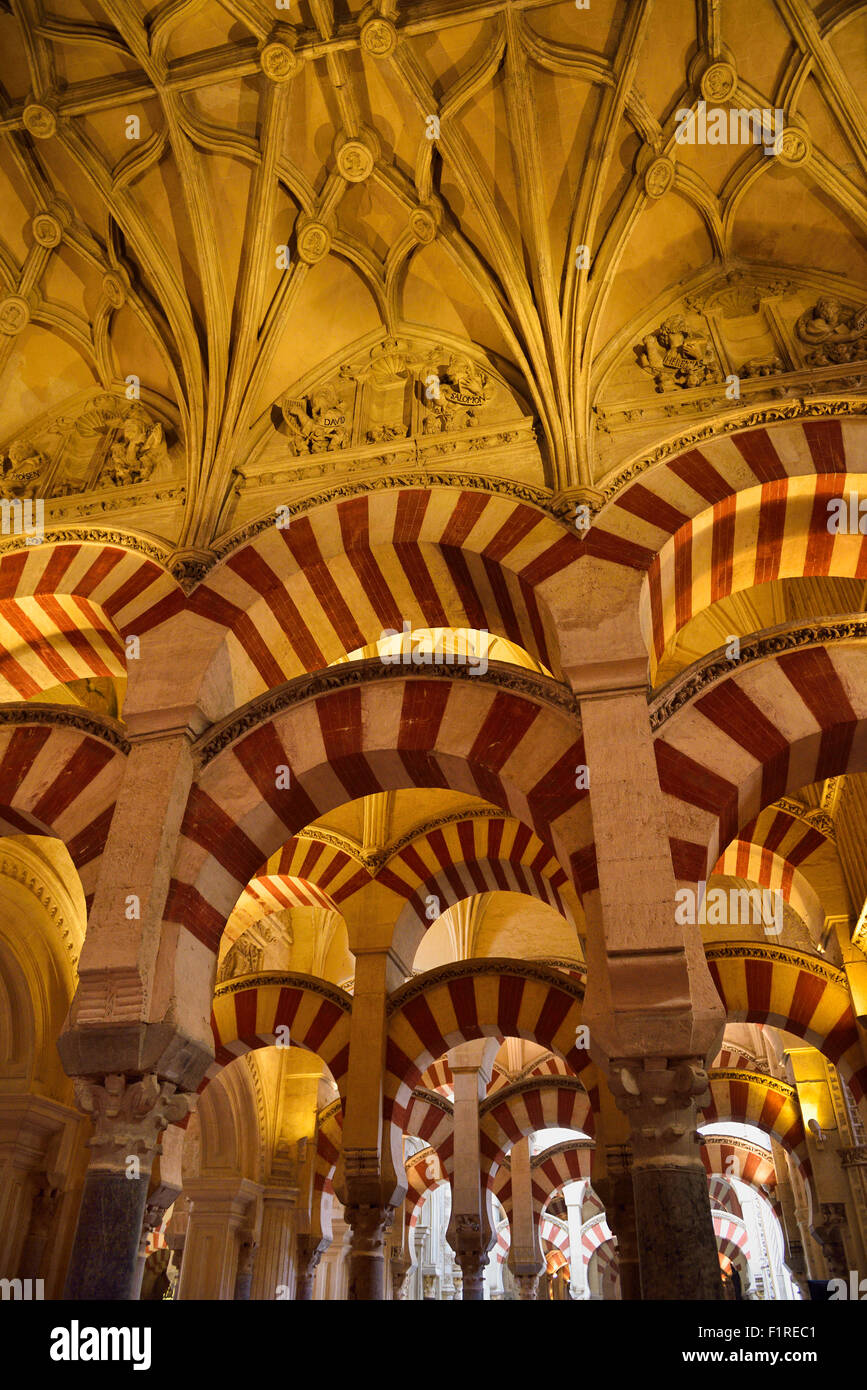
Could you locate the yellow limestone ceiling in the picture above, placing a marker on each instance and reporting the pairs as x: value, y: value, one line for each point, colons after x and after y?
x: 156, y: 257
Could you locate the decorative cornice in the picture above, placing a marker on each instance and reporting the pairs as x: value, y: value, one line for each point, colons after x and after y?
x: 815, y: 817
x: 739, y: 1143
x: 389, y: 482
x: 533, y: 1083
x: 698, y: 677
x: 94, y: 535
x: 349, y: 675
x: 433, y: 1098
x: 795, y: 409
x: 294, y: 981
x: 748, y: 950
x: 769, y: 1083
x: 564, y: 1147
x: 85, y: 721
x: 486, y: 965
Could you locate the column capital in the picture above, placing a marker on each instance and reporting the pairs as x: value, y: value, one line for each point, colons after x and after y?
x: 129, y: 1116
x: 660, y: 1098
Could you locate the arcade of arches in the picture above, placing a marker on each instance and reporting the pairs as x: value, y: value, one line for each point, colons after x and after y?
x: 433, y: 699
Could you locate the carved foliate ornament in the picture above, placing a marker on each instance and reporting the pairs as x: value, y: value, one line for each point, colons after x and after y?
x: 378, y: 36
x: 312, y: 240
x: 658, y: 176
x: 356, y: 156
x: 21, y: 467
x: 423, y: 225
x: 47, y: 230
x: 39, y: 121
x: 115, y: 287
x: 793, y: 146
x: 14, y: 314
x: 278, y: 59
x: 129, y: 1117
x: 719, y: 81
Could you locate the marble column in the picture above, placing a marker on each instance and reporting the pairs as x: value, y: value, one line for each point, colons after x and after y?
x: 573, y: 1196
x: 309, y: 1250
x: 369, y: 1179
x: 469, y: 1229
x: 369, y: 1226
x: 525, y: 1252
x: 616, y: 1191
x: 677, y: 1248
x: 129, y: 1118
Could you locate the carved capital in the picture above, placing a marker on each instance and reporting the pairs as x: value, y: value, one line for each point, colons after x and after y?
x: 129, y: 1117
x: 661, y: 1100
x: 370, y: 1225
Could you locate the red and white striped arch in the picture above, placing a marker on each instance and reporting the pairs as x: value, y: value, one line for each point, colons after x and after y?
x: 335, y: 873
x: 424, y: 1171
x: 770, y: 1105
x: 473, y: 999
x: 248, y: 1013
x: 640, y: 519
x: 294, y: 600
x: 60, y: 781
x: 568, y: 1162
x: 438, y: 1077
x: 431, y: 1117
x: 479, y: 855
x: 795, y: 991
x: 392, y: 732
x: 769, y: 729
x: 65, y: 609
x: 506, y: 1116
x: 731, y: 1235
x: 776, y: 531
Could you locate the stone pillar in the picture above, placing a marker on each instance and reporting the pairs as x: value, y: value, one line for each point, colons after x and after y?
x: 616, y: 1191
x: 366, y: 1179
x: 469, y: 1229
x: 244, y: 1273
x: 573, y: 1196
x: 129, y: 1118
x: 222, y: 1208
x: 43, y: 1214
x: 676, y: 1244
x: 828, y: 1230
x: 309, y: 1250
x: 369, y: 1226
x: 400, y: 1267
x: 525, y: 1253
x: 272, y: 1269
x: 794, y: 1248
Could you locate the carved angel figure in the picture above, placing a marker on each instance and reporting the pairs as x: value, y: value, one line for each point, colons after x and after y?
x: 20, y: 467
x: 136, y: 454
x: 677, y: 355
x: 318, y: 423
x: 840, y: 332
